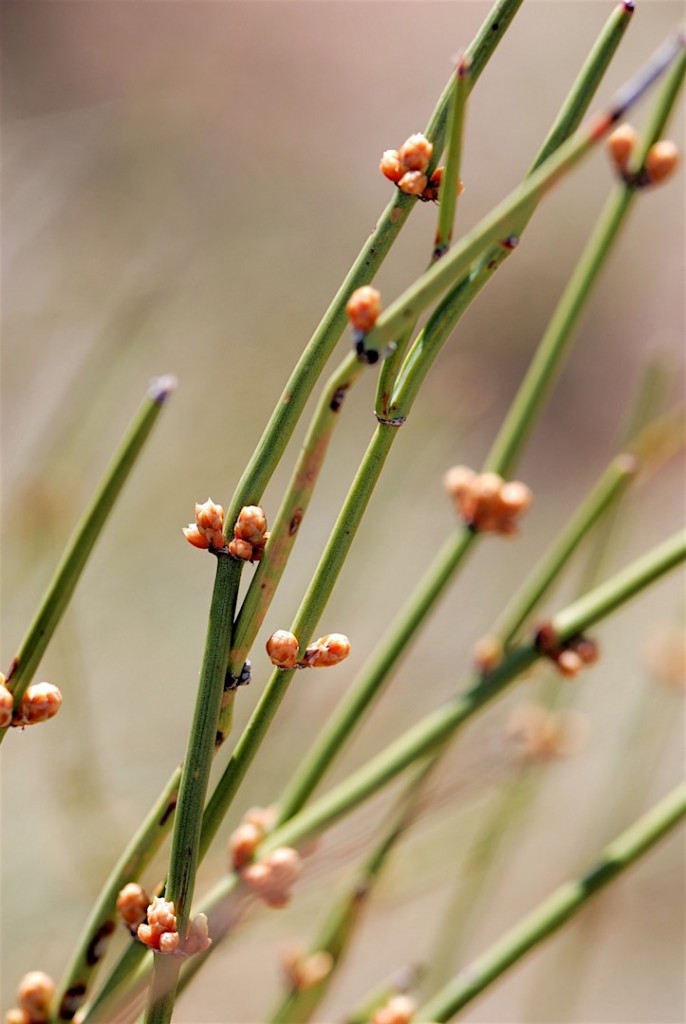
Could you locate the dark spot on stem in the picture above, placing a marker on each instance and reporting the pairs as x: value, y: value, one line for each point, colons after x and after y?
x: 338, y: 397
x: 495, y: 26
x: 12, y: 669
x: 71, y: 1000
x: 295, y: 522
x: 98, y: 944
x: 169, y: 810
x: 218, y: 739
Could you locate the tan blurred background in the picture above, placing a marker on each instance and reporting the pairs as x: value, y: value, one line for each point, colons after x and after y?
x: 184, y: 186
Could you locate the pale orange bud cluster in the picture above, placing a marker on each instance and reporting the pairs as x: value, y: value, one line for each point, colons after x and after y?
x: 160, y: 931
x: 431, y: 193
x: 363, y: 308
x: 570, y: 656
x: 328, y: 650
x: 132, y: 904
x: 399, y: 1009
x: 486, y: 502
x: 247, y: 837
x: 487, y: 654
x: 540, y: 734
x: 197, y: 936
x: 207, y: 530
x: 34, y: 997
x: 40, y: 703
x: 406, y: 167
x: 272, y: 878
x: 249, y: 534
x: 305, y: 972
x: 282, y: 648
x: 661, y: 160
x: 6, y: 704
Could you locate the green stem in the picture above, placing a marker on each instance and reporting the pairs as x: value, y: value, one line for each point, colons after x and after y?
x: 311, y: 363
x: 436, y: 727
x: 607, y: 491
x: 82, y: 542
x: 558, y: 908
x: 292, y: 510
x: 165, y: 976
x: 374, y: 675
x: 451, y: 173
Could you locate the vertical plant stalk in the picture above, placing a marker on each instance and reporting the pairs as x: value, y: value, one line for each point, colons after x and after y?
x: 82, y: 541
x: 184, y: 856
x: 558, y: 908
x: 292, y: 510
x: 451, y: 174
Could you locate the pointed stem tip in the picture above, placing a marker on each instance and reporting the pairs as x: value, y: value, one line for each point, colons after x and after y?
x: 161, y: 387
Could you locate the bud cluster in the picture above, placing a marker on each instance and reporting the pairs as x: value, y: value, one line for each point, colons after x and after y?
x: 570, y: 656
x: 132, y: 904
x: 399, y: 1009
x: 34, y: 997
x: 249, y: 534
x: 305, y: 972
x: 407, y: 168
x: 486, y: 502
x: 282, y: 648
x: 248, y: 836
x: 207, y: 530
x: 540, y: 734
x: 660, y: 163
x: 40, y: 702
x: 272, y: 878
x: 160, y: 931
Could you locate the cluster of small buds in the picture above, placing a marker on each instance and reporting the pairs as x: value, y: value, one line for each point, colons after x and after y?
x: 363, y: 308
x: 249, y: 534
x: 282, y: 648
x: 660, y: 163
x: 197, y: 936
x: 34, y: 997
x: 207, y: 530
x: 486, y: 502
x: 132, y: 904
x: 570, y: 656
x: 540, y: 734
x: 272, y: 878
x: 159, y: 932
x: 41, y: 702
x: 407, y: 168
x: 247, y: 837
x: 305, y: 972
x: 399, y: 1009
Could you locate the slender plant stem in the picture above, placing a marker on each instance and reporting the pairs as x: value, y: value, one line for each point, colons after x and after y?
x: 451, y: 173
x: 558, y: 908
x: 606, y: 493
x: 82, y: 542
x: 184, y: 856
x: 292, y: 510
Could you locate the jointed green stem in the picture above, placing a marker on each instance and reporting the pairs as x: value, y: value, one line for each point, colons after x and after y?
x: 558, y: 908
x: 83, y: 540
x: 451, y: 173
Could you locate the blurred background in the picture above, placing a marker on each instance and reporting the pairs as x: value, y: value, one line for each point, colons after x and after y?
x: 184, y: 187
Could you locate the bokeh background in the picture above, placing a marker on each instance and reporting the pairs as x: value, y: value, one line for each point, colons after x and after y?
x: 184, y: 186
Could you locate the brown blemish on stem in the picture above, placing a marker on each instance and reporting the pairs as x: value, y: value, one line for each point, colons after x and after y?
x: 72, y: 1000
x: 98, y: 944
x: 338, y: 397
x: 12, y: 669
x: 296, y: 520
x: 169, y: 809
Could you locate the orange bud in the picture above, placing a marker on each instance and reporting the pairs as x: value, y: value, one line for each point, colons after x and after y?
x: 413, y: 183
x: 282, y: 648
x: 661, y: 162
x: 415, y: 153
x: 621, y: 144
x: 41, y: 702
x: 390, y: 165
x: 363, y: 307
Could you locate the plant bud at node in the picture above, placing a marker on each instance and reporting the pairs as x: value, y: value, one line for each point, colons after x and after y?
x: 413, y: 183
x: 35, y: 994
x: 6, y: 706
x: 621, y: 144
x: 40, y: 702
x: 661, y: 162
x: 363, y: 308
x: 282, y: 648
x: 415, y: 153
x: 328, y: 650
x: 390, y: 166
